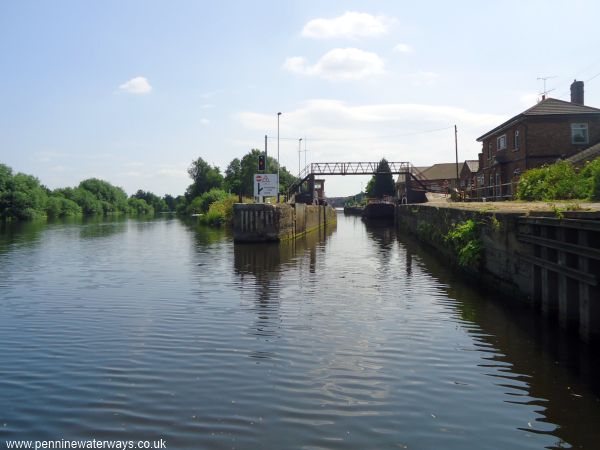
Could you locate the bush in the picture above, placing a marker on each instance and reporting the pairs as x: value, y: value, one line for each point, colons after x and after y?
x: 58, y: 206
x: 557, y: 181
x: 590, y: 178
x: 202, y: 203
x: 464, y: 238
x: 22, y: 197
x: 560, y: 181
x: 139, y: 206
x: 220, y: 212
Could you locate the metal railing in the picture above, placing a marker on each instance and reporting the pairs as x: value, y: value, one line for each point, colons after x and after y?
x: 354, y: 168
x: 497, y: 192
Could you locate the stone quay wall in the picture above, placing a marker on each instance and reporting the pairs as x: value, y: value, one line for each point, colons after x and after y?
x: 551, y: 262
x: 263, y: 222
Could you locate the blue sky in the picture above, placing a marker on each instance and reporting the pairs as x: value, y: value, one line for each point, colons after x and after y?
x: 133, y: 91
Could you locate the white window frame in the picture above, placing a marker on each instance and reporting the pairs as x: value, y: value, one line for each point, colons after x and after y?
x: 580, y: 126
x: 517, y: 143
x: 490, y: 150
x: 501, y: 142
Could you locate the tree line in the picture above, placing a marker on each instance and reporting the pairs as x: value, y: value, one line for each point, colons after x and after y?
x: 213, y: 194
x: 23, y: 197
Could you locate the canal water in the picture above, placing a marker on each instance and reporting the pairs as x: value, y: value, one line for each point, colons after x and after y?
x: 356, y: 338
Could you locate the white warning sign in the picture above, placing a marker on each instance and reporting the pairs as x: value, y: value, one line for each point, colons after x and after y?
x: 265, y: 185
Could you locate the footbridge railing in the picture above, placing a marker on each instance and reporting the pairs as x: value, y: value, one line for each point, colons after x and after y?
x: 354, y: 168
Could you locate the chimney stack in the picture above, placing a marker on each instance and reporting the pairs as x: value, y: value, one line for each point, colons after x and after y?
x: 577, y: 92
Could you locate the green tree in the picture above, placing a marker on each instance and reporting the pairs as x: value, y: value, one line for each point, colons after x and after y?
x: 382, y: 183
x: 5, y: 177
x: 233, y: 177
x: 249, y: 166
x: 87, y: 201
x: 139, y: 206
x: 201, y: 203
x: 22, y: 196
x: 204, y: 176
x: 59, y: 206
x: 157, y: 203
x: 112, y: 198
x: 170, y: 201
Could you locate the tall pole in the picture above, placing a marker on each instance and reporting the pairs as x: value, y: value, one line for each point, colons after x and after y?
x: 299, y: 153
x: 304, y: 151
x: 266, y: 157
x: 278, y: 114
x: 456, y: 151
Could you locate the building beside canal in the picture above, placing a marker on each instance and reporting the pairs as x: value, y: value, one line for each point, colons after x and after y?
x: 468, y: 174
x: 551, y: 130
x: 439, y: 176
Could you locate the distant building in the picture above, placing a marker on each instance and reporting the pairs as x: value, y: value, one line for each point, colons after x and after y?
x: 439, y: 176
x: 551, y: 130
x: 468, y: 174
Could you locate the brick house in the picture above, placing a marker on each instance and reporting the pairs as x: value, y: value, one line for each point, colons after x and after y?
x: 551, y: 130
x: 468, y: 174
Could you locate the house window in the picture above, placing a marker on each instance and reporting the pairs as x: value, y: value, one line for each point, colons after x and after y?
x: 579, y: 133
x: 501, y: 141
x: 517, y: 140
x: 490, y: 150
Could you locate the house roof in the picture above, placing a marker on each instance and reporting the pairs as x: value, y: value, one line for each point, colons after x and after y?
x: 588, y: 154
x: 547, y: 107
x: 442, y: 171
x: 472, y: 164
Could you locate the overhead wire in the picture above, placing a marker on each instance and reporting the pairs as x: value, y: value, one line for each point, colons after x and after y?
x: 566, y: 91
x: 414, y: 133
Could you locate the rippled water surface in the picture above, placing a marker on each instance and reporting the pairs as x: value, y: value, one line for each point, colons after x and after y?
x: 351, y: 339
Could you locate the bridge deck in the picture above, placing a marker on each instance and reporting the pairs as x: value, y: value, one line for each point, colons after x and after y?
x: 353, y: 168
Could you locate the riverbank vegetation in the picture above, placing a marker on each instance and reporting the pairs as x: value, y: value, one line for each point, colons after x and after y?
x: 210, y: 195
x: 464, y: 238
x: 23, y: 197
x: 561, y: 181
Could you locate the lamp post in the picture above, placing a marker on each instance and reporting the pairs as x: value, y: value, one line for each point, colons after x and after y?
x: 278, y: 114
x: 299, y: 153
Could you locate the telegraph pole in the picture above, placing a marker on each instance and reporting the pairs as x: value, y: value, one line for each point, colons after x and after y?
x: 266, y: 157
x: 278, y: 114
x: 456, y: 151
x: 299, y: 153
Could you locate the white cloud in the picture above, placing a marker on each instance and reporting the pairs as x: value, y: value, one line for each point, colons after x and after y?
x: 425, y: 78
x: 47, y: 156
x: 204, y: 122
x: 349, y: 25
x: 339, y: 64
x: 173, y: 173
x: 403, y: 48
x: 137, y: 85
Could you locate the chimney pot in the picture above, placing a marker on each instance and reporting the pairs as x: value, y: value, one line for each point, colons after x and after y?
x: 577, y: 92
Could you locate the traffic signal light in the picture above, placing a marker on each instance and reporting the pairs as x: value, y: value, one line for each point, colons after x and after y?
x: 262, y: 162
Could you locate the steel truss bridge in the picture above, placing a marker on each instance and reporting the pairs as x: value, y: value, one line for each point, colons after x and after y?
x: 307, y: 175
x: 353, y: 168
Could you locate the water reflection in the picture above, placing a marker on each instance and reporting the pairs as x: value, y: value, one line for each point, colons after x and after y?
x: 264, y: 262
x: 538, y: 362
x: 356, y: 339
x: 102, y: 227
x: 260, y: 268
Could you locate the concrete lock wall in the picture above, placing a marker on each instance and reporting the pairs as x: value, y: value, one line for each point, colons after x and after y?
x: 262, y: 222
x: 551, y: 263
